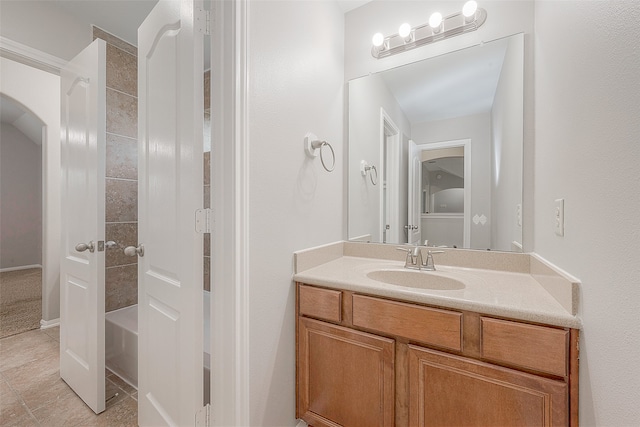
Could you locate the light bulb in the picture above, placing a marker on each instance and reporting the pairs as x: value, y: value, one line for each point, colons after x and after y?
x: 378, y: 39
x: 404, y: 31
x: 435, y: 22
x: 469, y: 10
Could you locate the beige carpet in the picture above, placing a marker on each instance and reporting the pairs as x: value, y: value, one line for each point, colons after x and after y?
x: 20, y: 301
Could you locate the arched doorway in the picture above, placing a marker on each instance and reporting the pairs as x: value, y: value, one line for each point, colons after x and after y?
x: 38, y: 92
x: 21, y: 218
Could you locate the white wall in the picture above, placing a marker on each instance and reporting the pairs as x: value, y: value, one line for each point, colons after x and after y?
x: 44, y: 26
x: 478, y: 129
x: 295, y: 86
x: 443, y: 231
x: 505, y: 18
x: 507, y: 117
x: 20, y: 199
x: 366, y: 97
x: 587, y: 124
x: 39, y: 92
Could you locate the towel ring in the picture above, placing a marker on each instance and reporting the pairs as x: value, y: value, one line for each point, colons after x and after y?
x: 313, y: 145
x: 365, y: 167
x: 333, y: 155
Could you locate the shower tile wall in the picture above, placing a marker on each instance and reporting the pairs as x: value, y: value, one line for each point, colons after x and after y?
x: 121, y: 276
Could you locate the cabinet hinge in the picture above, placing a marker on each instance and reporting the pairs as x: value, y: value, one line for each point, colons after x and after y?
x: 204, y: 219
x: 203, y: 21
x: 203, y: 416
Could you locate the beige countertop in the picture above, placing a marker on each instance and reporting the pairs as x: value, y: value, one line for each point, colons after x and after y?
x: 545, y: 296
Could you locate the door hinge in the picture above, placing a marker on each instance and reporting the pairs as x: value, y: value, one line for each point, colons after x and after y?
x: 203, y: 21
x: 204, y: 219
x: 203, y: 416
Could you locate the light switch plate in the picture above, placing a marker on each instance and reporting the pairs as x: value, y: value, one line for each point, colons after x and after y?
x: 558, y: 208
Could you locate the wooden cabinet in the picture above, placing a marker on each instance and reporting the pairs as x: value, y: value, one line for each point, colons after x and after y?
x: 447, y: 390
x: 538, y: 348
x: 364, y: 360
x: 440, y: 328
x: 345, y: 377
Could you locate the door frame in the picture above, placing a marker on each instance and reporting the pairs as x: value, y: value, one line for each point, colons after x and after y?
x: 45, y: 69
x: 230, y: 361
x: 413, y: 200
x: 390, y: 171
x: 466, y: 144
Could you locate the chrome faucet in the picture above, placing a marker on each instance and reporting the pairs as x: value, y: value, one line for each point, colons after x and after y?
x: 415, y: 260
x: 414, y: 257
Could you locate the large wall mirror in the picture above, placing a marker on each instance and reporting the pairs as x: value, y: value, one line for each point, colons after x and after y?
x: 436, y: 150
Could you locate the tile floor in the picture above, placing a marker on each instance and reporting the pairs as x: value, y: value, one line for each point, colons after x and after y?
x: 32, y: 393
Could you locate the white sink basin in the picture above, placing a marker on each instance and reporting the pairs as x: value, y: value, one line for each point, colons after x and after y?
x: 416, y: 279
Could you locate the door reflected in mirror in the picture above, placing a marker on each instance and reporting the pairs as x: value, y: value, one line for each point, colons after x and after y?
x: 446, y: 134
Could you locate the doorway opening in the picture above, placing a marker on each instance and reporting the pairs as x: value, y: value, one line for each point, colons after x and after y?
x: 21, y: 222
x: 445, y: 193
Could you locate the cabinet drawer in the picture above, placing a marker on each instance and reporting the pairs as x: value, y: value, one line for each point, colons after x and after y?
x: 320, y: 303
x: 531, y: 347
x: 441, y: 328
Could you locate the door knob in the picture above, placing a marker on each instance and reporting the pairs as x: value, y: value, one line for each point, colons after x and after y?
x: 81, y: 247
x: 133, y: 251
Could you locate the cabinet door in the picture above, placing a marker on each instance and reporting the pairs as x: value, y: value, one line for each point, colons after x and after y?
x: 448, y: 390
x: 345, y: 377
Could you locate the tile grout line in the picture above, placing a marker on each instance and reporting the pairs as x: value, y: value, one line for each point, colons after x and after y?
x: 121, y: 179
x: 123, y: 93
x: 121, y: 265
x: 133, y: 139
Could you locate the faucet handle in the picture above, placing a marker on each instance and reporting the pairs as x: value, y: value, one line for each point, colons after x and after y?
x: 407, y: 250
x: 428, y: 263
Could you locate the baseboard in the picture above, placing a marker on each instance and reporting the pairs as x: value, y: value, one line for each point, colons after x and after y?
x: 46, y: 324
x: 301, y: 423
x: 21, y: 267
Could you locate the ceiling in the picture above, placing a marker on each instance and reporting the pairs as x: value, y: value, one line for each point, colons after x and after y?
x: 118, y: 17
x: 457, y: 84
x: 123, y: 17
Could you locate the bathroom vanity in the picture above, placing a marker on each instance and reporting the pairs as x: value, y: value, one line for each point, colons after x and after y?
x: 458, y: 346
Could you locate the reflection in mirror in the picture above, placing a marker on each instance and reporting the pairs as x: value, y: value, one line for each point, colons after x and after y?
x: 446, y: 136
x: 443, y: 185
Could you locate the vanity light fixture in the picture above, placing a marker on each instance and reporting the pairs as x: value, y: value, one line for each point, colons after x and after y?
x: 470, y: 18
x: 378, y: 42
x: 405, y: 32
x: 469, y: 10
x: 435, y: 22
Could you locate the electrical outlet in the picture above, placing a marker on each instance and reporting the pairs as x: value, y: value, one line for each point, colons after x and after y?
x: 559, y: 217
x: 519, y: 215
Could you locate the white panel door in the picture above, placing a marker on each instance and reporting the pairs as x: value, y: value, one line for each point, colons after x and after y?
x: 170, y: 183
x: 83, y: 98
x: 415, y: 190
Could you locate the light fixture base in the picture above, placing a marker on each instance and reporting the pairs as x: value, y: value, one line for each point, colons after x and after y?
x: 451, y: 26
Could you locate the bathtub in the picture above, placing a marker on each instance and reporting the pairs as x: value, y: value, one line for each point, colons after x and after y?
x: 121, y: 343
